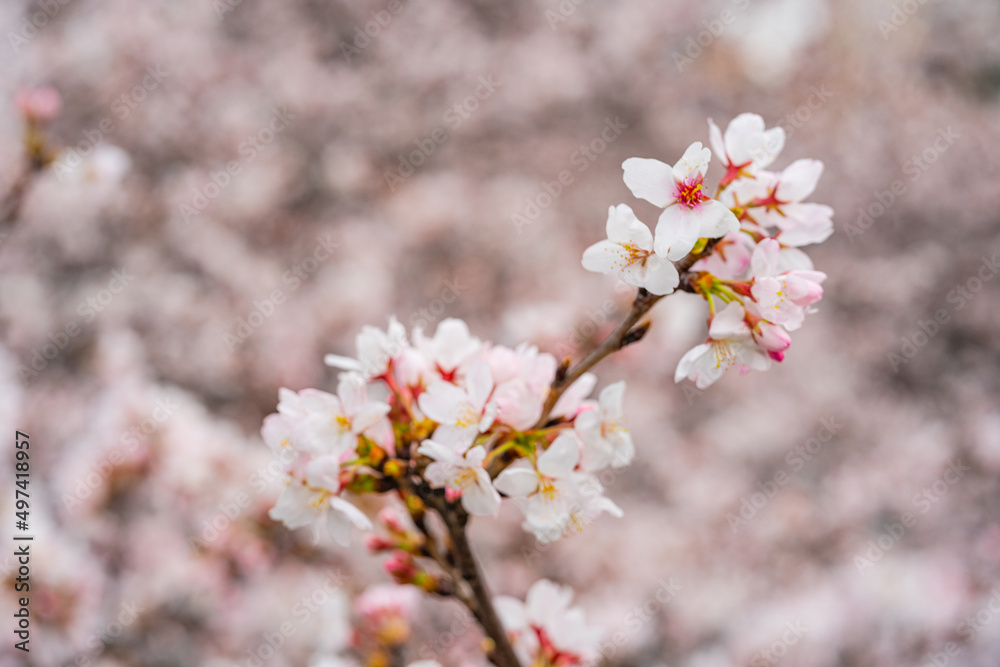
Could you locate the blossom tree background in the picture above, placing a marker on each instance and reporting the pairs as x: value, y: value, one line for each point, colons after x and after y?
x: 233, y: 189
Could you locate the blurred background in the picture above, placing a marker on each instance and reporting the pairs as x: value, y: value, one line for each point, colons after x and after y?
x: 245, y: 183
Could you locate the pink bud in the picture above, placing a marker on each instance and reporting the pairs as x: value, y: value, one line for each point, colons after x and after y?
x: 376, y: 543
x: 400, y: 566
x: 771, y: 337
x: 38, y: 105
x: 777, y: 356
x: 390, y: 518
x: 452, y: 495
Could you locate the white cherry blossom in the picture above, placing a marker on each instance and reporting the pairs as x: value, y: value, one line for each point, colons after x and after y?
x: 606, y: 440
x: 746, y: 146
x: 556, y: 499
x: 545, y: 629
x: 376, y: 350
x: 688, y: 212
x: 461, y: 473
x: 628, y: 253
x: 730, y: 344
x: 465, y: 408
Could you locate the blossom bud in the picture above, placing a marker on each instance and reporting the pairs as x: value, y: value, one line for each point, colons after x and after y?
x: 38, y: 105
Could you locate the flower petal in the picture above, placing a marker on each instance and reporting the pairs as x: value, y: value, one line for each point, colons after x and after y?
x: 651, y: 180
x: 676, y: 232
x: 561, y: 456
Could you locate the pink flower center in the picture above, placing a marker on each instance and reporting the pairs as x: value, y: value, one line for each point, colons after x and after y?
x: 690, y: 192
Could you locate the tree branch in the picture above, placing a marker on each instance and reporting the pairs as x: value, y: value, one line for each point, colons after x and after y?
x: 624, y: 334
x: 480, y: 602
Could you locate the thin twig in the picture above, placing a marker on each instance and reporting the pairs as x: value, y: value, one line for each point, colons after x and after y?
x: 624, y: 334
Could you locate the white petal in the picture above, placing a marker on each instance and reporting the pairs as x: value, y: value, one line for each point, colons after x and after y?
x: 685, y: 366
x: 481, y: 498
x: 729, y: 323
x: 715, y: 220
x: 624, y: 227
x: 343, y: 363
x: 715, y: 138
x: 275, y: 432
x: 659, y: 275
x: 743, y: 134
x: 517, y: 481
x: 561, y: 456
x: 605, y: 257
x: 798, y: 180
x: 694, y: 161
x: 651, y: 180
x: 442, y: 401
x: 479, y: 383
x: 676, y: 232
x: 437, y: 451
x: 774, y: 143
x: 611, y: 399
x: 764, y: 262
x: 569, y: 402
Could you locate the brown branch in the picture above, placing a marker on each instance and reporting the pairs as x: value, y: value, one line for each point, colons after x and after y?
x: 480, y: 603
x: 624, y: 334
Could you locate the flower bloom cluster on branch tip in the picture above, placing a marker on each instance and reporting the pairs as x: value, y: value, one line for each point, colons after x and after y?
x: 456, y: 413
x: 450, y: 423
x: 758, y: 284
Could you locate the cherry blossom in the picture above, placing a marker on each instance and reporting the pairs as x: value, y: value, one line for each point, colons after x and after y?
x: 301, y: 505
x: 730, y: 344
x: 545, y: 629
x: 463, y: 474
x: 606, y: 440
x: 376, y: 350
x: 783, y: 297
x: 556, y: 499
x: 628, y: 253
x: 451, y: 346
x: 322, y: 422
x: 746, y: 146
x: 688, y: 212
x: 465, y: 408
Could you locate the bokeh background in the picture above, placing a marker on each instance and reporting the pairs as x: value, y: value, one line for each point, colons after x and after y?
x: 150, y: 484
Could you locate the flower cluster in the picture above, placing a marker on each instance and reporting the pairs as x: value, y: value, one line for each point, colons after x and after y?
x: 746, y: 239
x: 463, y: 417
x: 452, y: 424
x: 545, y: 630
